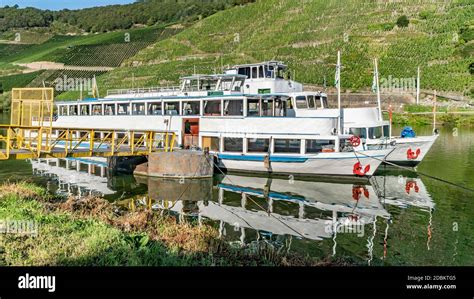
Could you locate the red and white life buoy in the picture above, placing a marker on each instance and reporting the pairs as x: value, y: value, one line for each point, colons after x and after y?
x: 411, y: 155
x: 354, y: 140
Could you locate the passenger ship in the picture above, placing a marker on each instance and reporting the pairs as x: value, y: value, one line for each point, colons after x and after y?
x: 250, y: 118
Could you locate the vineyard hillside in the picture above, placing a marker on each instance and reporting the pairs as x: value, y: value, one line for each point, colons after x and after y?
x: 306, y: 35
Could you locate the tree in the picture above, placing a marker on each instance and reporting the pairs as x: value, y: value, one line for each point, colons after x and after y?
x: 403, y: 21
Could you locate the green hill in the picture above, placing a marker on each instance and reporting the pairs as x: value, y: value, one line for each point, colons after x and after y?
x: 306, y: 35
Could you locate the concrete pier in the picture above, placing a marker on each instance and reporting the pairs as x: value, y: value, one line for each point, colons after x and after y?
x: 177, y: 164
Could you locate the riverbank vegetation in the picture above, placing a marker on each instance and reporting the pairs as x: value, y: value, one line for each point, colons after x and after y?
x: 91, y: 231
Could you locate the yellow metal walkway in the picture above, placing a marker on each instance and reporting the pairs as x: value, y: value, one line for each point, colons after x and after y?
x: 31, y: 134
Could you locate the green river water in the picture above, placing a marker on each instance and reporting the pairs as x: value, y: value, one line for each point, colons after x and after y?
x: 404, y: 218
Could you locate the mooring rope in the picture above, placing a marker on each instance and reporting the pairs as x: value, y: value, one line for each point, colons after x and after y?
x: 418, y: 172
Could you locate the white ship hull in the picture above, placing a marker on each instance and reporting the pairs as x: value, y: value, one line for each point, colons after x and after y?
x: 328, y: 164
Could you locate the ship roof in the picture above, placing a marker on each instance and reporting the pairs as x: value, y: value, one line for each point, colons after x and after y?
x: 213, y: 77
x: 270, y: 62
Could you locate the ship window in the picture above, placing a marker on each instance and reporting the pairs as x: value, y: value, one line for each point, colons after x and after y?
x: 233, y: 144
x: 375, y: 132
x: 138, y: 108
x: 311, y: 103
x: 62, y: 110
x: 253, y: 107
x: 280, y: 107
x: 386, y: 131
x: 171, y: 108
x: 317, y: 146
x: 109, y: 109
x: 287, y: 145
x: 301, y: 102
x: 244, y: 71
x: 84, y: 109
x: 267, y: 107
x: 154, y: 108
x: 211, y: 142
x: 254, y: 72
x: 234, y: 107
x: 359, y: 132
x: 325, y: 102
x: 123, y: 109
x: 257, y: 145
x: 269, y: 71
x: 260, y: 72
x: 73, y: 110
x: 97, y: 109
x: 212, y: 107
x: 191, y: 108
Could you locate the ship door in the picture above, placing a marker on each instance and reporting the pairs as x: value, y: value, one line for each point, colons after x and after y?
x: 190, y: 132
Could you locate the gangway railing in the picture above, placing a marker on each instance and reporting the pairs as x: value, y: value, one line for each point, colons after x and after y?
x: 30, y: 142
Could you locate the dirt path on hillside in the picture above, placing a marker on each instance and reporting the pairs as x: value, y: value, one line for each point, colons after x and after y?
x: 49, y: 65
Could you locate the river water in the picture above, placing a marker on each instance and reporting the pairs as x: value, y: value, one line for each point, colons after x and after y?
x: 397, y: 218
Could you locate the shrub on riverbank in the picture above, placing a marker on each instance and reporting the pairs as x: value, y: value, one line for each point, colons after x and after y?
x: 91, y: 232
x: 444, y: 119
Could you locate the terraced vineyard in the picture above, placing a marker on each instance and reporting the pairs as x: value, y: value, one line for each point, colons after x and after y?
x: 66, y: 81
x: 18, y: 80
x: 306, y: 35
x: 108, y: 53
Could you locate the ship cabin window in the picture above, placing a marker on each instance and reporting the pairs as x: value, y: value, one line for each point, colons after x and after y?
x: 301, y: 102
x: 212, y: 143
x: 269, y: 71
x: 233, y: 144
x: 244, y: 71
x: 73, y: 110
x: 324, y: 102
x: 212, y: 108
x: 359, y: 132
x: 258, y: 145
x: 254, y: 72
x: 171, y: 108
x: 386, y: 131
x: 123, y: 109
x: 253, y: 107
x: 192, y: 108
x: 234, y: 107
x: 375, y: 132
x: 62, y: 110
x: 154, y: 108
x: 261, y: 74
x: 287, y: 146
x: 312, y: 102
x: 138, y: 108
x: 267, y: 107
x: 109, y: 109
x: 84, y: 109
x: 317, y: 146
x: 97, y: 109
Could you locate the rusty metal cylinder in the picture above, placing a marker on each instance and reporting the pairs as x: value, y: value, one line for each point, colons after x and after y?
x: 178, y: 164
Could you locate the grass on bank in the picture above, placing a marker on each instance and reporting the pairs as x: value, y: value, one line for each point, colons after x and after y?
x: 89, y: 232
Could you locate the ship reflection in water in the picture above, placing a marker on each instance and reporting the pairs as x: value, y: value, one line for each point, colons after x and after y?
x: 246, y: 209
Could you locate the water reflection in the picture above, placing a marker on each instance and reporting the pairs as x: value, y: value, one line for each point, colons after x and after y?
x: 248, y: 209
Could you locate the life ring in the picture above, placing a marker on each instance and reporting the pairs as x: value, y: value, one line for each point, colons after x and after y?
x: 354, y: 140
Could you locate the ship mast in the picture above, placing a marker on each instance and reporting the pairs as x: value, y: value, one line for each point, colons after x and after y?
x: 338, y: 86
